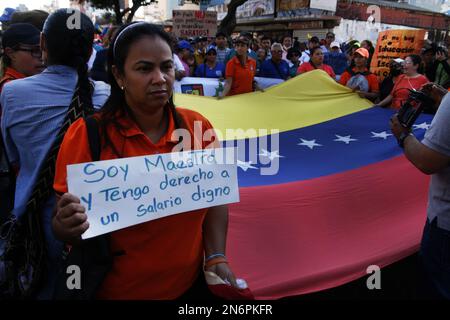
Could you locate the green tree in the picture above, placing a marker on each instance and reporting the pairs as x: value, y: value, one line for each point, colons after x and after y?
x: 120, y: 13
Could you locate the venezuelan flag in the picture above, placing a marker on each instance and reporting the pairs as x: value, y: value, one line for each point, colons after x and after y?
x: 344, y: 197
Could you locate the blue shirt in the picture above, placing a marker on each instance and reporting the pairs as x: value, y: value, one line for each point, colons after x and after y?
x: 33, y: 110
x: 270, y: 69
x: 337, y: 60
x: 203, y: 71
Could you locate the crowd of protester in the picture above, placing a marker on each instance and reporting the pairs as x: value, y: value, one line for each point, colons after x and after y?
x: 284, y: 58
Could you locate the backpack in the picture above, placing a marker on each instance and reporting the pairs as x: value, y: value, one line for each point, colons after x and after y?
x: 92, y: 256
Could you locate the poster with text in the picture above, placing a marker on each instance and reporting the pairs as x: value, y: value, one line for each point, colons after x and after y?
x: 393, y: 44
x: 194, y: 23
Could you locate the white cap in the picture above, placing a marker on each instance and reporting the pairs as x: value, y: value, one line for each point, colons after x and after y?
x: 335, y: 44
x: 398, y: 60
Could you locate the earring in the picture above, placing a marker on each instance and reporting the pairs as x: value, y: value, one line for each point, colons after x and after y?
x: 122, y: 88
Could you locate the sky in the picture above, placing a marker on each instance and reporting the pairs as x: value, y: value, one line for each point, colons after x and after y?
x: 31, y: 4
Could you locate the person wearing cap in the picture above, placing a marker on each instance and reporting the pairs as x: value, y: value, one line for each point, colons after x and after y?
x: 410, y: 80
x: 221, y: 47
x: 184, y: 52
x: 368, y: 45
x: 252, y: 54
x: 240, y: 70
x: 395, y: 70
x: 359, y: 78
x: 336, y: 59
x: 211, y: 68
x: 22, y: 55
x: 275, y: 67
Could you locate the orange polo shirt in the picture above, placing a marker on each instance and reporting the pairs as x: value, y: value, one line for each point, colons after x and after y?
x: 10, y: 74
x: 162, y: 257
x: 242, y: 76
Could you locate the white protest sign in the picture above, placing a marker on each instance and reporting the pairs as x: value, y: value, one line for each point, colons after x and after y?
x: 194, y: 23
x: 125, y: 192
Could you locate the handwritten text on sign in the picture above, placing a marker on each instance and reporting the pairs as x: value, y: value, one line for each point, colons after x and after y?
x: 125, y: 192
x: 192, y: 23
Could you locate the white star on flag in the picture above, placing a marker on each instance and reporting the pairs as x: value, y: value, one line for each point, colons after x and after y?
x: 423, y: 125
x: 245, y: 165
x: 270, y: 155
x: 345, y: 139
x: 382, y: 135
x: 309, y: 143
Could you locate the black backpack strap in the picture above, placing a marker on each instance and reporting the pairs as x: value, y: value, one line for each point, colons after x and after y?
x: 93, y: 256
x: 93, y: 137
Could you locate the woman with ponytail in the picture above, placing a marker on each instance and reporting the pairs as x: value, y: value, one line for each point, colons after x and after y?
x: 35, y: 108
x: 162, y: 258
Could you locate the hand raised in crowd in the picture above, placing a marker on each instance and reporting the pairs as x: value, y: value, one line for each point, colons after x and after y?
x: 70, y: 219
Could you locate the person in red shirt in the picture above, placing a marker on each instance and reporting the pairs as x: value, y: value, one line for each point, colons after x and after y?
x: 359, y: 78
x: 163, y: 258
x: 240, y: 71
x: 410, y: 80
x: 21, y: 53
x: 316, y: 62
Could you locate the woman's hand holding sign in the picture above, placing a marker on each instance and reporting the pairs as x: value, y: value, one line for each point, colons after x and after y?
x: 70, y: 219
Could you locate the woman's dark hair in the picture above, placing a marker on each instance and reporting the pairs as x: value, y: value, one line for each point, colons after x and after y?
x: 417, y: 60
x: 311, y: 53
x: 5, y: 62
x: 116, y: 105
x: 69, y: 35
x: 292, y: 51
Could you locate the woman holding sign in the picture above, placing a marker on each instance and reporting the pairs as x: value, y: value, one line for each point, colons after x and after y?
x: 163, y: 258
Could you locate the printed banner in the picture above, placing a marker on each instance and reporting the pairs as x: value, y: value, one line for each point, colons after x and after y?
x: 212, y: 87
